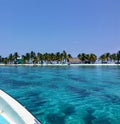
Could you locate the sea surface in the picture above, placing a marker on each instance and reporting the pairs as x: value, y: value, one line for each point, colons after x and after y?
x: 66, y: 95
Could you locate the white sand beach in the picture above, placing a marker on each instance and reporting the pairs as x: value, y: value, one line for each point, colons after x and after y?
x: 59, y: 64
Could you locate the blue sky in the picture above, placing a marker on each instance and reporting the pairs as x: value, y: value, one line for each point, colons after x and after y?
x: 90, y: 26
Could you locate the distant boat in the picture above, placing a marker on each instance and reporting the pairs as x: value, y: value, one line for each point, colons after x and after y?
x: 12, y: 112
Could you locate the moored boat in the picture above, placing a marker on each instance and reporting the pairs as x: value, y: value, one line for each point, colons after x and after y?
x: 12, y: 112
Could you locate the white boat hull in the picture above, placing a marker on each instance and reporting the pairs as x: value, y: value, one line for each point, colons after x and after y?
x: 14, y: 112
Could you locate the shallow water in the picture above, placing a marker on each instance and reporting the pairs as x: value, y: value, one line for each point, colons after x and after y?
x: 66, y: 95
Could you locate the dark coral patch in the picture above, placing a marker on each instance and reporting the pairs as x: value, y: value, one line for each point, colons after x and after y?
x: 112, y: 98
x: 55, y: 118
x: 89, y: 119
x: 97, y: 89
x: 16, y: 83
x: 69, y: 110
x: 53, y: 86
x: 76, y: 78
x: 90, y: 110
x: 80, y: 91
x: 101, y: 121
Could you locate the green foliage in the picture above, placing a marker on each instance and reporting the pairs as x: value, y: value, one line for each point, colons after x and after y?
x: 63, y: 57
x: 87, y: 58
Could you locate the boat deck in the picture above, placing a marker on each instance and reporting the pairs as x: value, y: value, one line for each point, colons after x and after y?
x: 12, y: 112
x: 3, y: 120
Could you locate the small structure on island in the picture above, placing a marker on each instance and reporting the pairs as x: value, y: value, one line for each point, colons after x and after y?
x: 19, y: 60
x: 74, y: 61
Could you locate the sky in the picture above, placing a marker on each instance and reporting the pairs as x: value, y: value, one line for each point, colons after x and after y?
x: 77, y: 26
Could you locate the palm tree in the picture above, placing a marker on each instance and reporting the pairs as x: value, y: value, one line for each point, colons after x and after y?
x: 0, y: 59
x: 103, y: 58
x: 5, y: 60
x: 15, y: 56
x: 92, y: 58
x: 40, y: 58
x: 87, y: 58
x: 32, y: 56
x: 80, y: 56
x: 68, y: 57
x: 64, y: 56
x: 83, y: 57
x: 58, y: 57
x: 35, y: 60
x: 11, y: 58
x: 24, y: 59
x: 49, y: 58
x: 107, y: 56
x: 113, y: 57
x: 52, y: 57
x: 27, y: 56
x: 118, y: 56
x: 45, y: 57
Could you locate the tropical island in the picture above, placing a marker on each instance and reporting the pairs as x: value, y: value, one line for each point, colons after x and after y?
x: 60, y: 58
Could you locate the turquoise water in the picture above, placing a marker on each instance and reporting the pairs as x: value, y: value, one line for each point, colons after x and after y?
x: 66, y: 95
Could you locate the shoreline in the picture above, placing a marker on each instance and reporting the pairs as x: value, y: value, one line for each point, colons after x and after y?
x: 59, y: 65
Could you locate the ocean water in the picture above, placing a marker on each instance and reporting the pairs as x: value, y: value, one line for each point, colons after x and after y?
x: 66, y: 95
